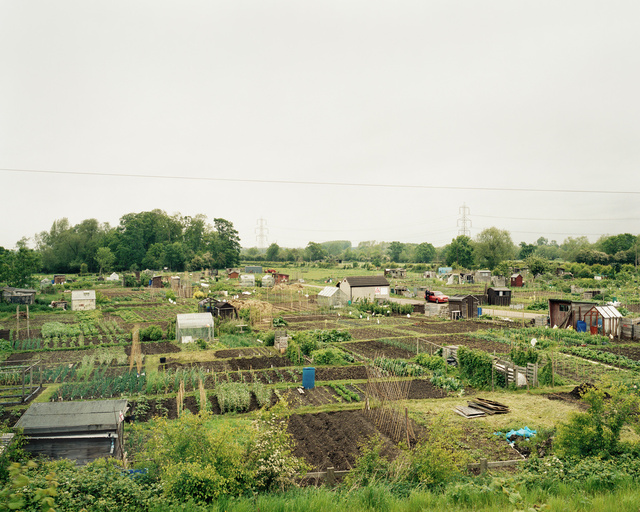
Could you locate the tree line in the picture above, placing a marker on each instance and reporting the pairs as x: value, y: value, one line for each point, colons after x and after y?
x: 142, y: 240
x: 488, y: 249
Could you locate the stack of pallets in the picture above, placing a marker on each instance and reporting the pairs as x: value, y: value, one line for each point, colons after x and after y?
x: 481, y: 407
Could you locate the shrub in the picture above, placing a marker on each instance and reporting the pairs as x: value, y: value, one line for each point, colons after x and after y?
x: 328, y: 356
x: 431, y: 362
x: 522, y: 355
x: 475, y: 366
x: 233, y: 396
x: 151, y: 333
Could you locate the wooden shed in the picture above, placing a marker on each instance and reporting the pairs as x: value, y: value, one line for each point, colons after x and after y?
x: 395, y: 273
x: 80, y: 431
x: 463, y: 306
x: 253, y: 269
x: 517, y: 280
x: 59, y: 279
x: 156, y: 282
x: 234, y: 274
x: 482, y: 276
x: 281, y: 278
x: 18, y: 295
x: 565, y: 313
x: 217, y: 308
x: 498, y: 296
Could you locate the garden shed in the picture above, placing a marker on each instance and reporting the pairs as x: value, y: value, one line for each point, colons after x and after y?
x: 281, y: 278
x: 395, y: 273
x: 517, y: 280
x: 82, y: 431
x: 482, y: 276
x: 268, y: 281
x: 59, y: 279
x: 565, y: 313
x: 156, y: 282
x: 234, y: 274
x: 219, y: 308
x: 365, y: 287
x: 499, y: 296
x: 331, y: 296
x: 18, y: 295
x: 192, y: 326
x: 113, y: 277
x: 253, y: 269
x: 463, y: 306
x: 604, y: 320
x: 83, y: 300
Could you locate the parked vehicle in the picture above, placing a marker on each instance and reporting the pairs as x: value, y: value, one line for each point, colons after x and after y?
x: 437, y: 297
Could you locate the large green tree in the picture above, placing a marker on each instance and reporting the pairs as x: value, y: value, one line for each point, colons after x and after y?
x: 424, y: 253
x: 315, y: 251
x: 460, y: 252
x: 395, y: 250
x: 273, y: 252
x: 17, y: 267
x: 224, y: 244
x: 492, y: 246
x: 105, y: 259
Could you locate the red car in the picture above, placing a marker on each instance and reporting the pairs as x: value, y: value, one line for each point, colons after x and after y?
x: 437, y: 297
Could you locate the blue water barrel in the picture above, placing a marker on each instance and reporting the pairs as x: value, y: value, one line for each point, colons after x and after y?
x: 308, y: 377
x: 581, y: 326
x: 479, y: 311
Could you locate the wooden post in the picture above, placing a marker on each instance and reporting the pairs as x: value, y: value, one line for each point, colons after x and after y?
x: 493, y: 386
x: 553, y: 370
x: 483, y: 466
x: 17, y: 336
x: 28, y: 332
x: 331, y: 477
x: 406, y: 423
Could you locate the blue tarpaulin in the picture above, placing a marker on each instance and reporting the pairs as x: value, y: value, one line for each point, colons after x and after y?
x: 524, y: 432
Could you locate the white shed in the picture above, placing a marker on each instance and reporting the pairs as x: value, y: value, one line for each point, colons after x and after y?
x: 194, y: 326
x: 83, y: 300
x: 113, y: 277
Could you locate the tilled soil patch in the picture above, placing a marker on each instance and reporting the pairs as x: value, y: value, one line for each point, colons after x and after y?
x: 341, y: 373
x: 373, y: 349
x: 333, y: 439
x: 155, y: 347
x: 458, y: 326
x: 372, y: 333
x: 241, y: 352
x: 232, y: 365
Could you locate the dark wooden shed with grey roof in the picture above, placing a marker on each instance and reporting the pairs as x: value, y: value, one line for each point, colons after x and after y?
x: 79, y: 431
x: 499, y: 296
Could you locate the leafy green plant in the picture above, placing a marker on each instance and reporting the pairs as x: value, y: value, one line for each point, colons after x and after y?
x: 233, y: 396
x: 398, y: 367
x: 432, y: 363
x: 475, y: 366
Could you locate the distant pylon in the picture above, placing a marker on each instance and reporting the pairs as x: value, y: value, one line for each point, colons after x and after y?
x: 261, y: 233
x: 464, y: 222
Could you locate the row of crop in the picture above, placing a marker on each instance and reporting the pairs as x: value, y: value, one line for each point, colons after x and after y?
x: 398, y: 367
x: 604, y: 357
x: 345, y: 393
x: 102, y: 386
x: 62, y: 342
x: 543, y: 336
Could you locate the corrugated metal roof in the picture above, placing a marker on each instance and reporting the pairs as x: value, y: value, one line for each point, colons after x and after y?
x: 608, y: 312
x: 72, y: 416
x: 360, y: 281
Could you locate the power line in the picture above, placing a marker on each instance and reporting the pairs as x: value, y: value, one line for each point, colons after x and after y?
x: 324, y: 183
x: 555, y: 219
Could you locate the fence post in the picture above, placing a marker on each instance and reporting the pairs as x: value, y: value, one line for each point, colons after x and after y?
x: 483, y: 466
x: 331, y: 477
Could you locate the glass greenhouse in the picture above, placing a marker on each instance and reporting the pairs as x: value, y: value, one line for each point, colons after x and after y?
x: 193, y: 326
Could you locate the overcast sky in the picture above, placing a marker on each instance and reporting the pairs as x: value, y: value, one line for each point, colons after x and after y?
x: 418, y: 94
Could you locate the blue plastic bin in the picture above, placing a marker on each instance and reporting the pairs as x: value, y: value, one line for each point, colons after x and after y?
x: 479, y: 311
x: 308, y: 377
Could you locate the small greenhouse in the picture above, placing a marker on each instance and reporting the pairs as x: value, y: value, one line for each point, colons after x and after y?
x: 193, y: 326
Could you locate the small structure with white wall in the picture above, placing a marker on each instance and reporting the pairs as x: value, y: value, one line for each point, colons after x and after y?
x: 83, y: 300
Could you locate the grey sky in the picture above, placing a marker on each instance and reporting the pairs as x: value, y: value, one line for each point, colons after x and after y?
x: 459, y: 93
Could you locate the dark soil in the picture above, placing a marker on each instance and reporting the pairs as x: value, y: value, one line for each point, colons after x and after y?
x: 155, y: 347
x: 372, y: 333
x: 459, y: 326
x: 240, y: 352
x: 341, y: 373
x: 421, y: 389
x: 630, y: 352
x: 334, y: 438
x: 231, y: 365
x: 373, y: 349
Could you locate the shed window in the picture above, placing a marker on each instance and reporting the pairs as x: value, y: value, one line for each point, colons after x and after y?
x: 564, y: 308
